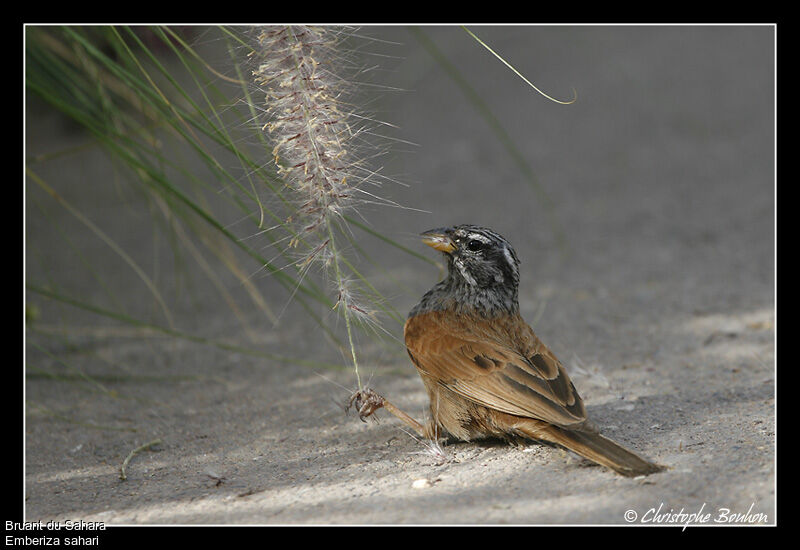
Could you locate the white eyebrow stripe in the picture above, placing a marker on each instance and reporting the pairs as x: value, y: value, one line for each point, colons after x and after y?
x: 479, y: 237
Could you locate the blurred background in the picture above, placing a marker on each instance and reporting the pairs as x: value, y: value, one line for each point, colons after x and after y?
x: 643, y: 214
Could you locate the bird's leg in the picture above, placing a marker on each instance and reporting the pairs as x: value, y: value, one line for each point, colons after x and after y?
x: 366, y: 401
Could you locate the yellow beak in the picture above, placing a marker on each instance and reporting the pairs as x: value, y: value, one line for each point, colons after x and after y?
x: 436, y: 238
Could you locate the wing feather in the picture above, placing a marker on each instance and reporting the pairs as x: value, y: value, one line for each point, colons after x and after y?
x: 501, y: 365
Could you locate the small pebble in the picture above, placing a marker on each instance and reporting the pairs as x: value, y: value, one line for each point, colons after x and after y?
x: 421, y: 484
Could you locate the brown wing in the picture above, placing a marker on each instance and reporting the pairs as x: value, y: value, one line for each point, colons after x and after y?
x: 501, y: 365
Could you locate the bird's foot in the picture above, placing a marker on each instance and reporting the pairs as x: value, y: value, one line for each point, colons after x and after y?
x: 366, y: 402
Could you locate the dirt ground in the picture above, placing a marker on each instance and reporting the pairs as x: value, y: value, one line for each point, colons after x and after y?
x: 660, y: 300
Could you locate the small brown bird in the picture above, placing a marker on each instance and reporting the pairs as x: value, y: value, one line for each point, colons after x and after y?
x: 487, y: 374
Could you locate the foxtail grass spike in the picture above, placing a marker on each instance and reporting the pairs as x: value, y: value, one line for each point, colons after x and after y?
x: 315, y: 138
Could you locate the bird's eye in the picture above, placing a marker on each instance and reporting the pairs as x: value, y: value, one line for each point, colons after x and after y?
x: 474, y: 245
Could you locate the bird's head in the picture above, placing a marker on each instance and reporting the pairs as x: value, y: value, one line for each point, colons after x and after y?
x: 477, y: 257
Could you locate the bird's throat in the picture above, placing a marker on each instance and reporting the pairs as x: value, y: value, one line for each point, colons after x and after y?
x: 459, y: 295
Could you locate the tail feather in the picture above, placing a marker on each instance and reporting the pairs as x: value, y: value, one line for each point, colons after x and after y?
x: 596, y: 448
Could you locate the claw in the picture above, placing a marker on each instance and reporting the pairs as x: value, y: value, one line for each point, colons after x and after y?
x: 366, y: 402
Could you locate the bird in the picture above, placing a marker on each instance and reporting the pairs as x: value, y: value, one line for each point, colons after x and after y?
x: 486, y: 372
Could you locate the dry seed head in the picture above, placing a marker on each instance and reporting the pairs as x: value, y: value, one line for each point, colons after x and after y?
x: 360, y: 309
x: 307, y: 124
x: 317, y: 143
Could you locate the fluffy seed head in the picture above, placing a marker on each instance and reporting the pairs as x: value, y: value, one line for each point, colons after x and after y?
x: 305, y: 122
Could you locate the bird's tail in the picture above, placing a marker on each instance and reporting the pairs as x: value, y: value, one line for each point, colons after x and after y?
x: 596, y: 448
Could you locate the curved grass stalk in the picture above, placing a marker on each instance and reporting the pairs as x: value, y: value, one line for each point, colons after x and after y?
x: 106, y: 239
x: 516, y: 72
x: 174, y: 333
x: 483, y: 109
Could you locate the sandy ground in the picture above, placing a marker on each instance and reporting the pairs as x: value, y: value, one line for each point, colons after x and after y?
x: 660, y: 301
